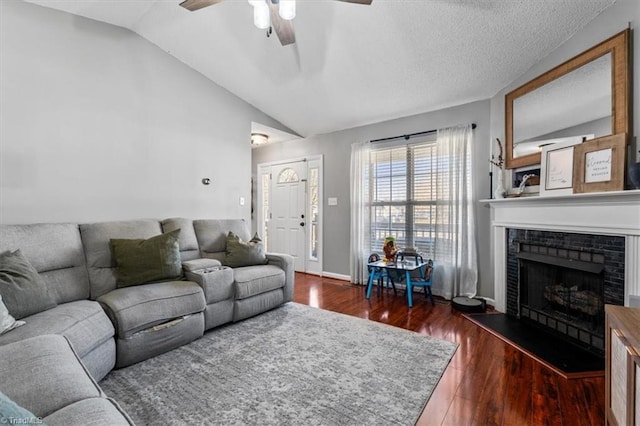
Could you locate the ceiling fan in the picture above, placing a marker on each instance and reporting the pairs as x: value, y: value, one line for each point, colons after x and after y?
x: 268, y: 14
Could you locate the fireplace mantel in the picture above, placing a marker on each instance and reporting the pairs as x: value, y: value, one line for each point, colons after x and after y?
x: 603, y: 213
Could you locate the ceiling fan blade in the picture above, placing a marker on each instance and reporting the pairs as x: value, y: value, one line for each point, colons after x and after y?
x: 198, y: 4
x: 282, y: 27
x: 357, y: 1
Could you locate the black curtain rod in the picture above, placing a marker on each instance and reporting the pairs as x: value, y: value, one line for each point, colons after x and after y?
x: 410, y: 135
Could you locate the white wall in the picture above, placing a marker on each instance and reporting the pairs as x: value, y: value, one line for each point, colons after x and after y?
x: 97, y: 123
x: 619, y: 16
x: 336, y: 149
x: 336, y: 146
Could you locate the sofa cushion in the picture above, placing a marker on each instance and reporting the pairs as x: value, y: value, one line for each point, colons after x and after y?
x: 188, y: 242
x: 133, y: 309
x: 95, y: 241
x: 83, y: 322
x: 212, y: 235
x: 7, y: 322
x: 43, y: 374
x: 243, y: 253
x: 253, y: 280
x: 12, y: 413
x: 23, y: 291
x: 55, y: 251
x: 141, y: 261
x: 90, y: 411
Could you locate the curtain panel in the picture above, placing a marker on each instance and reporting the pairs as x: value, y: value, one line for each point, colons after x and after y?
x: 456, y: 263
x: 454, y: 239
x: 360, y: 212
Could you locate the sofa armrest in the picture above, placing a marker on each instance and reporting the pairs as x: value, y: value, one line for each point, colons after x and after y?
x: 216, y: 282
x: 200, y: 264
x: 286, y: 263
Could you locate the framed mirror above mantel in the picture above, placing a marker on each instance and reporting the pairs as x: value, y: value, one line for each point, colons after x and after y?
x: 586, y: 95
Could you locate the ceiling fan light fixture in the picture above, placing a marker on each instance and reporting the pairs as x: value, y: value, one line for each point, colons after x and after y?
x: 259, y: 139
x: 287, y: 9
x: 261, y: 17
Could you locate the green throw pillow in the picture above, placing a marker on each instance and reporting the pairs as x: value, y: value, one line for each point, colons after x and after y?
x: 141, y: 261
x: 240, y: 253
x: 11, y: 413
x: 22, y: 289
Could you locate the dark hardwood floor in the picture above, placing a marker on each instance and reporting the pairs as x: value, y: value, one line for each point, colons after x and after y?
x: 488, y: 382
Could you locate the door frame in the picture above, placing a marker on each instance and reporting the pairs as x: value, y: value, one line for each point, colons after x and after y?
x: 311, y: 265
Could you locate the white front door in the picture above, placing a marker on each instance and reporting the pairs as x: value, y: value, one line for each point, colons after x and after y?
x: 287, y: 224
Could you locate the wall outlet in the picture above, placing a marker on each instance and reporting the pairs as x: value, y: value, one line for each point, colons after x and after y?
x: 332, y: 201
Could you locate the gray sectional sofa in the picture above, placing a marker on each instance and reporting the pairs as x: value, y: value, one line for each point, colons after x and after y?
x: 107, y: 326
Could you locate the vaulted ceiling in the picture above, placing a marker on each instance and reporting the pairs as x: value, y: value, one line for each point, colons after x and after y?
x: 352, y: 64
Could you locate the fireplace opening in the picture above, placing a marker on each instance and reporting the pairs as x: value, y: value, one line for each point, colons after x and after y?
x: 556, y: 288
x: 562, y: 291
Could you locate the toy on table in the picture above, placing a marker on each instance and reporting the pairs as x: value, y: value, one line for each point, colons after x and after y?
x: 389, y: 249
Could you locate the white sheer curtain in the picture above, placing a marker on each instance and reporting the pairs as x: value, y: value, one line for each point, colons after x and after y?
x: 456, y: 264
x: 360, y: 214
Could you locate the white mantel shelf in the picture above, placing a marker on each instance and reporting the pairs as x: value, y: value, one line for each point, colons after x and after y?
x: 588, y: 197
x: 605, y: 213
x: 602, y: 213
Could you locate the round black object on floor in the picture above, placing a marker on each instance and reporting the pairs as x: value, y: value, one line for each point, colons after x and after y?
x: 469, y: 304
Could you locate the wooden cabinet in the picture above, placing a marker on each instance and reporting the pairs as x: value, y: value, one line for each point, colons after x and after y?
x: 623, y: 366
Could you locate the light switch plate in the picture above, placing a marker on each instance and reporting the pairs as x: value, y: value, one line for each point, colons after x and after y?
x: 332, y: 201
x: 242, y: 201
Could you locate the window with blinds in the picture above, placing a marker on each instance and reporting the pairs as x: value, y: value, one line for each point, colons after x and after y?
x: 402, y: 187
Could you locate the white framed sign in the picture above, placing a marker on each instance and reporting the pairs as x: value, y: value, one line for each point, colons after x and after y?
x: 556, y: 170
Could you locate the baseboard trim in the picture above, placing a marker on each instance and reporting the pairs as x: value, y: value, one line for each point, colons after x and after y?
x: 336, y: 276
x: 490, y: 302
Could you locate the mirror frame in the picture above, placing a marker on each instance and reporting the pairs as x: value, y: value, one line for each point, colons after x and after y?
x: 618, y: 46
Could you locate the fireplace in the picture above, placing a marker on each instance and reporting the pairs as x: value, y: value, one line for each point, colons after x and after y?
x: 561, y: 281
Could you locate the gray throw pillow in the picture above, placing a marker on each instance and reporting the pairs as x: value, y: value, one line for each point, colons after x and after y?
x: 142, y: 261
x: 21, y: 287
x: 7, y: 322
x: 240, y: 253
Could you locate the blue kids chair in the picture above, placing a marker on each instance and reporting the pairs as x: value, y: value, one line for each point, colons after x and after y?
x: 379, y: 274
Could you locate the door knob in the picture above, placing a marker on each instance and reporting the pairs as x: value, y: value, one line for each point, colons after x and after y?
x: 301, y: 223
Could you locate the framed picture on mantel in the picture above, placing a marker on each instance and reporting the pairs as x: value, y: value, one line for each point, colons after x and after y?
x: 599, y: 164
x: 556, y: 170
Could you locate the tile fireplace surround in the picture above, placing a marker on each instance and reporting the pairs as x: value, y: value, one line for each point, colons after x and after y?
x: 605, y: 213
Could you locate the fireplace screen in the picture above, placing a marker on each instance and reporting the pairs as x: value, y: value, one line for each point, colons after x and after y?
x: 563, y: 294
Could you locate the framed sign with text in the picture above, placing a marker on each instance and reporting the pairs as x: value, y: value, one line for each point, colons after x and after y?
x: 556, y: 169
x: 599, y: 164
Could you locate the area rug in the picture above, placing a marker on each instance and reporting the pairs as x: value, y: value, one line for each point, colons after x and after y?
x: 294, y: 365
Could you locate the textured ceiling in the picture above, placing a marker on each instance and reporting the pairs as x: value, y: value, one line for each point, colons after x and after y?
x: 351, y: 64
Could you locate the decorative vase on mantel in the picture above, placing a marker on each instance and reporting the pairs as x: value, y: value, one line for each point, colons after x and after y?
x: 498, y: 163
x: 500, y: 191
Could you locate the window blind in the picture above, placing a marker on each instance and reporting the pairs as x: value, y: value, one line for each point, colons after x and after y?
x: 402, y: 192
